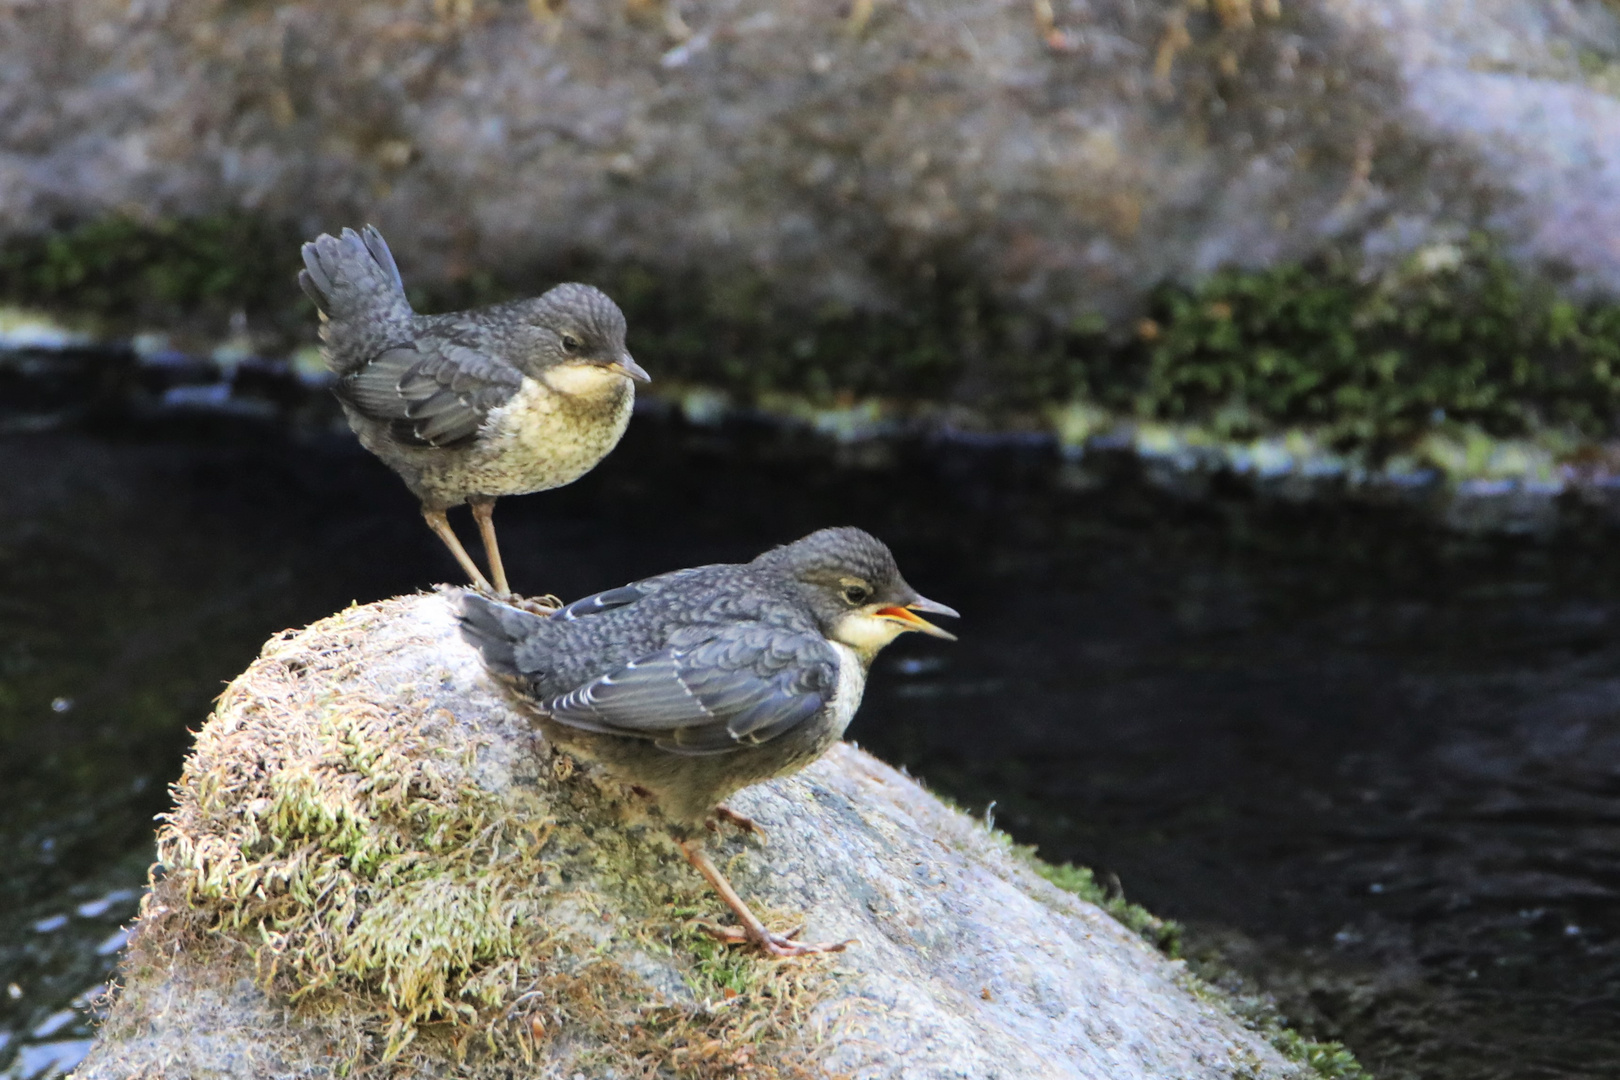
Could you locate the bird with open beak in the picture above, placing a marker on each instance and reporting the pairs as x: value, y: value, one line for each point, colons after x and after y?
x: 696, y: 683
x: 469, y: 406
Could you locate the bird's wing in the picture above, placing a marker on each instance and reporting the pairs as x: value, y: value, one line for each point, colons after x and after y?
x: 742, y: 686
x: 600, y: 602
x: 435, y: 392
x: 701, y: 577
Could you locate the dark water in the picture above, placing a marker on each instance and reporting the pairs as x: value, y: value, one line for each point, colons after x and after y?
x: 1377, y: 762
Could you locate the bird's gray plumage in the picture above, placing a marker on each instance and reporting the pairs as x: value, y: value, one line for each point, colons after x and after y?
x: 743, y: 686
x: 436, y: 391
x: 473, y: 405
x: 354, y: 281
x: 698, y: 682
x: 424, y: 391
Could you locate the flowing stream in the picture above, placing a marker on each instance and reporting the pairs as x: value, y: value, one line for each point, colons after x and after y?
x: 1374, y: 763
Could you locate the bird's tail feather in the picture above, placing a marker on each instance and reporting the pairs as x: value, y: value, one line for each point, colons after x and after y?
x: 356, y: 285
x: 495, y: 629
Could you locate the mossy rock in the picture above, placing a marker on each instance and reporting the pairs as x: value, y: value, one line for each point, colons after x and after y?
x: 376, y: 866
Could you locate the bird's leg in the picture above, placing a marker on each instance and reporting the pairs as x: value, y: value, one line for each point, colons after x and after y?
x: 483, y: 512
x: 743, y: 822
x: 441, y: 528
x: 752, y: 931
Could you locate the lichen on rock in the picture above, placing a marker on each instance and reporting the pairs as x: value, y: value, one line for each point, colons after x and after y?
x: 375, y: 865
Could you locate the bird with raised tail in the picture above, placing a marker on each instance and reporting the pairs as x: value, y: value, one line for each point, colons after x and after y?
x: 472, y: 405
x: 693, y: 684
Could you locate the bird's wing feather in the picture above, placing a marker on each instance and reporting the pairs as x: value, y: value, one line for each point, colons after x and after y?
x: 435, y: 392
x: 600, y: 602
x: 741, y: 686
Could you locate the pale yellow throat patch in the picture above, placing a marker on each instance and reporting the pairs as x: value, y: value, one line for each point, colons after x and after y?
x: 865, y: 632
x: 581, y: 380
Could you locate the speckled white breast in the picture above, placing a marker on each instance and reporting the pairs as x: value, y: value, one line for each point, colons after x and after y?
x: 543, y: 438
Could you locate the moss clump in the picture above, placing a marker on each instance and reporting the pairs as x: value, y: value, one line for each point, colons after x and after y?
x: 1372, y: 360
x: 1162, y: 934
x: 122, y: 269
x: 1325, y: 1058
x: 1328, y: 1060
x: 736, y: 1033
x: 340, y: 834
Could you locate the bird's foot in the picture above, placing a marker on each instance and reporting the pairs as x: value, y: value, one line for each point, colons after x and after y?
x: 535, y: 605
x: 481, y: 586
x: 780, y: 946
x: 741, y: 821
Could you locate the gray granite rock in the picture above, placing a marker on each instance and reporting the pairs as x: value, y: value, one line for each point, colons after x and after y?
x: 1070, y: 155
x: 1532, y: 93
x: 967, y: 964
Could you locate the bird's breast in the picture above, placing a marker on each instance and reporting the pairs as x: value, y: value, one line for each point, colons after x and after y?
x: 544, y: 439
x: 851, y: 685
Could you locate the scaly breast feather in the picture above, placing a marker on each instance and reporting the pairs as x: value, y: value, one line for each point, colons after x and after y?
x: 541, y: 439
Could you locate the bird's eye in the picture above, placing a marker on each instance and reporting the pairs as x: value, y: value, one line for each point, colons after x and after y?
x: 570, y: 343
x: 856, y: 594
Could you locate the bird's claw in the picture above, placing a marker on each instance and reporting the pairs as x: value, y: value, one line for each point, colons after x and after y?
x: 780, y: 946
x: 535, y: 605
x: 741, y: 821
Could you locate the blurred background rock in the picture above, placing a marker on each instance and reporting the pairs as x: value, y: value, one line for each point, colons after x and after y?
x: 881, y: 197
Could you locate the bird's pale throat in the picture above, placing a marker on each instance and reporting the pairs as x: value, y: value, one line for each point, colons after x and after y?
x: 584, y: 379
x: 865, y: 631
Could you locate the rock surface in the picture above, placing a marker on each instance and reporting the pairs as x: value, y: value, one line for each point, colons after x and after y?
x: 374, y: 858
x: 1532, y: 93
x: 1068, y: 155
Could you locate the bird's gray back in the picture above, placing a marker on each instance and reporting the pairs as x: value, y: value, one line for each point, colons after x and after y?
x: 679, y: 609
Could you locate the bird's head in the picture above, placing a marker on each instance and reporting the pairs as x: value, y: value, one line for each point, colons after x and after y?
x: 573, y: 338
x: 850, y: 581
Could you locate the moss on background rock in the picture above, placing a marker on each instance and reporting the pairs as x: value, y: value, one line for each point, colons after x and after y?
x: 1452, y: 339
x: 1454, y: 333
x: 122, y: 270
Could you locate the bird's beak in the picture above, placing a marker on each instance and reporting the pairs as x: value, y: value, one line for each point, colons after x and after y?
x: 908, y: 618
x: 630, y: 369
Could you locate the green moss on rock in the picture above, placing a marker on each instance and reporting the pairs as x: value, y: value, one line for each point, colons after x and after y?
x: 1374, y: 360
x: 1162, y: 934
x: 350, y: 851
x: 1327, y: 1059
x: 1367, y: 361
x: 121, y: 269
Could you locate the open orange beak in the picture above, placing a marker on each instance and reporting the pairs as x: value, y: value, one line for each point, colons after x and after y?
x: 908, y: 618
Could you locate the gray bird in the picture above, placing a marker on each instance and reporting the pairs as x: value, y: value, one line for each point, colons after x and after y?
x: 693, y: 684
x: 472, y: 405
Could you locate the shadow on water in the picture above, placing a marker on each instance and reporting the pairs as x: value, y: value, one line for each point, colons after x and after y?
x: 1377, y: 764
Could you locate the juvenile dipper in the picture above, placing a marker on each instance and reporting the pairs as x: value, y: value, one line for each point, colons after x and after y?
x: 695, y: 683
x: 469, y: 406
